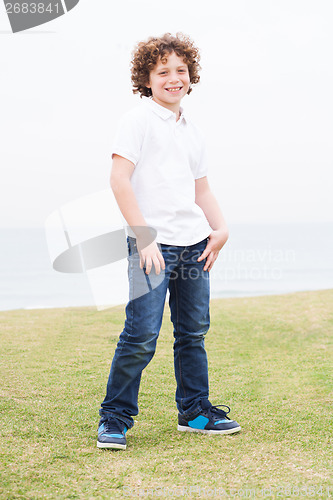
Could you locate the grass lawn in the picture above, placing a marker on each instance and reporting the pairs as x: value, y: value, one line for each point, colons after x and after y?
x: 270, y: 360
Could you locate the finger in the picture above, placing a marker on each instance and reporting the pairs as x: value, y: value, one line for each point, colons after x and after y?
x: 148, y: 265
x: 210, y: 268
x: 204, y: 253
x: 211, y: 261
x: 161, y: 259
x: 157, y: 265
x: 207, y: 263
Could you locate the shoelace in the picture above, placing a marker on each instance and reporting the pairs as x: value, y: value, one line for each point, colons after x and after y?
x: 215, y: 412
x: 113, y: 425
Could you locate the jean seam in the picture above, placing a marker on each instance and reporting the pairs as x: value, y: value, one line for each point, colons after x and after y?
x: 131, y: 294
x: 179, y: 339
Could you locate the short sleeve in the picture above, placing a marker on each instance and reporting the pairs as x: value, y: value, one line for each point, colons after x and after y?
x: 128, y: 139
x: 202, y: 167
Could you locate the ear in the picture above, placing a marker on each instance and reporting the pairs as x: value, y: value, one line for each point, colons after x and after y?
x: 147, y: 82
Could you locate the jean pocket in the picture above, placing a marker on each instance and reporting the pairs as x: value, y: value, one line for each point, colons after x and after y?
x: 202, y: 244
x: 131, y: 246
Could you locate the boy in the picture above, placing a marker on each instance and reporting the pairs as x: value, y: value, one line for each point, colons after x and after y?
x: 159, y: 179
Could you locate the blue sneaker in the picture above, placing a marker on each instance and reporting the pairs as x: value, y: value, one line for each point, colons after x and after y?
x: 210, y: 420
x: 112, y: 434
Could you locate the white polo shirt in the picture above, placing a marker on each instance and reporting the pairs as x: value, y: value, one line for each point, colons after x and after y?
x: 168, y: 156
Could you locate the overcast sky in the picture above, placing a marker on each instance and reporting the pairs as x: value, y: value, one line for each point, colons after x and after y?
x: 264, y: 103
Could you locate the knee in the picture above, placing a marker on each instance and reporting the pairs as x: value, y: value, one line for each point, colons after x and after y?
x: 190, y: 337
x: 143, y: 343
x: 198, y: 329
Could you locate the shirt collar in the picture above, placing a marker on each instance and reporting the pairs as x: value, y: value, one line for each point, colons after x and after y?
x: 163, y: 112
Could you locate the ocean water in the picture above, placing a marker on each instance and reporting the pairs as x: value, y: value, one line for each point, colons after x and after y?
x: 258, y: 259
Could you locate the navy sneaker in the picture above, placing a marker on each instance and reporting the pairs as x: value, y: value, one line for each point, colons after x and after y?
x: 210, y: 420
x: 112, y: 434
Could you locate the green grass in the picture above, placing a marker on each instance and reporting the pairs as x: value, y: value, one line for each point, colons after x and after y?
x: 270, y: 359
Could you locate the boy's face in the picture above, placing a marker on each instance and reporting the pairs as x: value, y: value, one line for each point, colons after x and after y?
x: 169, y: 82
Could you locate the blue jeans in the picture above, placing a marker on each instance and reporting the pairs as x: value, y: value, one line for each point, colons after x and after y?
x: 189, y: 289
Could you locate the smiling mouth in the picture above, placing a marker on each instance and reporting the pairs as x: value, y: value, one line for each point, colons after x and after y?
x: 174, y: 89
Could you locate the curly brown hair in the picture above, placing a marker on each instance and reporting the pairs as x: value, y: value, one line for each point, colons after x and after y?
x: 146, y: 54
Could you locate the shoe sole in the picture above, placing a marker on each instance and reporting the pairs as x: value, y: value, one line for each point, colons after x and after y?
x: 184, y: 428
x: 112, y: 446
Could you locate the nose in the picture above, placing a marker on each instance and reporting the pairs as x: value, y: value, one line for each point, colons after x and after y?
x: 173, y: 78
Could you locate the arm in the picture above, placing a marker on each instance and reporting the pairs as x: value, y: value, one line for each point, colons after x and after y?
x: 218, y: 237
x: 121, y: 173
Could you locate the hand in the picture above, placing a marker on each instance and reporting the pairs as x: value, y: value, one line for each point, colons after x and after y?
x: 150, y: 255
x: 216, y: 240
